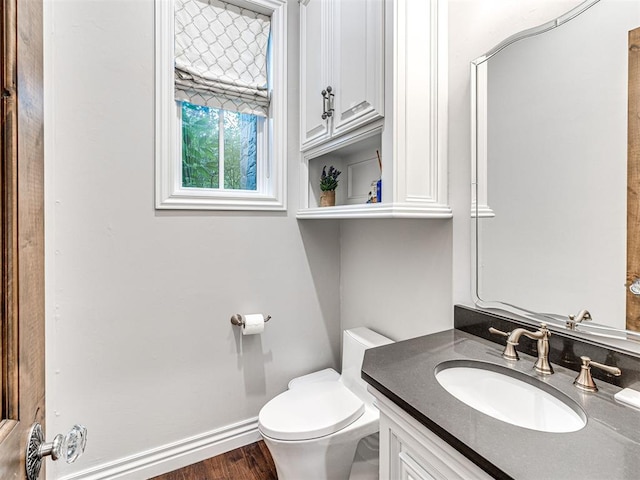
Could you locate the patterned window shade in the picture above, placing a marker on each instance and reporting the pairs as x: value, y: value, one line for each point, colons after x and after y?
x: 221, y: 56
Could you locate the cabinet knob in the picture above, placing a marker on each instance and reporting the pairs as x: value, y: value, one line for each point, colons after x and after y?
x: 69, y: 447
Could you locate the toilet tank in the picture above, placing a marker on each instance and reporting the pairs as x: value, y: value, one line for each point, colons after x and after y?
x: 354, y: 342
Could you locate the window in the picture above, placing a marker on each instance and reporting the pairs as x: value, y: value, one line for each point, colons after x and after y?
x: 220, y: 145
x: 219, y: 148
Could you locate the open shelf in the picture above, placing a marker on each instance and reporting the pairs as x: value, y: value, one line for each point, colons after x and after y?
x: 357, y: 159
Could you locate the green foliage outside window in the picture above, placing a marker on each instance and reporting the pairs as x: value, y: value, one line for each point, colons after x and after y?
x: 201, y: 148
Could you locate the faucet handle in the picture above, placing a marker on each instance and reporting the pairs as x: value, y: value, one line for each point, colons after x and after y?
x: 510, y: 352
x: 584, y: 380
x: 499, y: 332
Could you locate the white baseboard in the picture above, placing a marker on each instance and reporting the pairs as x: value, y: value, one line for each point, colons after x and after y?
x: 175, y: 455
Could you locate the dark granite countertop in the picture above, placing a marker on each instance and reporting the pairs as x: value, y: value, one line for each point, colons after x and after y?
x: 608, y: 447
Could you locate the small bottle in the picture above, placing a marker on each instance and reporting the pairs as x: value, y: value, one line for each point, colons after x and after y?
x: 373, y: 194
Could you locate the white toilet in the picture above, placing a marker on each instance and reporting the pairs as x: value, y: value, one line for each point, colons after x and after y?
x: 312, y: 430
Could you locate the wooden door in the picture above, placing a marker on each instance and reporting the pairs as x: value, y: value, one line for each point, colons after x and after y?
x: 22, y: 231
x: 633, y: 182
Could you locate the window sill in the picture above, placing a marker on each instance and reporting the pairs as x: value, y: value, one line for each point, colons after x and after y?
x: 226, y: 201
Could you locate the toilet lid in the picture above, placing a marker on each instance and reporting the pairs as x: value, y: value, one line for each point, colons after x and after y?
x: 310, y: 411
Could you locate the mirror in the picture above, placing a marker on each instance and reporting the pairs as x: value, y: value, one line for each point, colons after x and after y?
x: 549, y: 168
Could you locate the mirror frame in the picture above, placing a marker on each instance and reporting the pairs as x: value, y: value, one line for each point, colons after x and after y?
x: 622, y: 339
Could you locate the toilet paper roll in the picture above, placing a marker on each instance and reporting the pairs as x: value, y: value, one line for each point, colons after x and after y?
x: 253, y: 324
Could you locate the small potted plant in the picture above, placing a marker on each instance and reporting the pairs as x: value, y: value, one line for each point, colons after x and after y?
x: 328, y: 185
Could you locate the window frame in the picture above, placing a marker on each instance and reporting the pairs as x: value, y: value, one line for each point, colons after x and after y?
x: 270, y: 194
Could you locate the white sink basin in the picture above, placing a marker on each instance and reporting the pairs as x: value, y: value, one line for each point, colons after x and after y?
x: 510, y: 396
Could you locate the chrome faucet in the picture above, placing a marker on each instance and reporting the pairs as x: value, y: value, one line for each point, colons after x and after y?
x: 575, y: 319
x: 542, y: 365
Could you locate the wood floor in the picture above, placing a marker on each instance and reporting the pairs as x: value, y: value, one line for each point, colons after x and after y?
x: 252, y: 462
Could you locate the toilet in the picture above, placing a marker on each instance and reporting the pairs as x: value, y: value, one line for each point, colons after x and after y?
x: 313, y: 429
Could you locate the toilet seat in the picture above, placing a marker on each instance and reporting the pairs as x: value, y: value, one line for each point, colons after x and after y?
x: 310, y: 411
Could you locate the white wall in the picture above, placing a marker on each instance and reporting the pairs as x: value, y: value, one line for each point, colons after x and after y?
x: 396, y: 276
x: 139, y: 347
x: 139, y: 344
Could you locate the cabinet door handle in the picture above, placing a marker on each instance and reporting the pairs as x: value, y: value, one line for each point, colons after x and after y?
x: 327, y: 104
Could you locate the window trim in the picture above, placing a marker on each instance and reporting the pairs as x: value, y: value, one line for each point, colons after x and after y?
x: 169, y: 192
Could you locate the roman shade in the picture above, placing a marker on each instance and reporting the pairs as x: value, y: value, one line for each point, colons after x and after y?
x: 221, y: 56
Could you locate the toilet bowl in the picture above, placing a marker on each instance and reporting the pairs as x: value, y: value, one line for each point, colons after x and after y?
x: 312, y: 430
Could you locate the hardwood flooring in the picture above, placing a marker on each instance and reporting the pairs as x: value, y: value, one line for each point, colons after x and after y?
x: 252, y: 462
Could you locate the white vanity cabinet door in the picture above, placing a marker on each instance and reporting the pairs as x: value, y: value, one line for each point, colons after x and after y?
x: 342, y: 48
x: 358, y: 63
x: 412, y: 469
x: 314, y: 70
x: 410, y: 451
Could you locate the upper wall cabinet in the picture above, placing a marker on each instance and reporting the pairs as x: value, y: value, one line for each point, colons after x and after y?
x: 374, y: 105
x: 342, y: 67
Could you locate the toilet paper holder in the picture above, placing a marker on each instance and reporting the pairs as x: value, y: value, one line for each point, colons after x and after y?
x: 238, y: 320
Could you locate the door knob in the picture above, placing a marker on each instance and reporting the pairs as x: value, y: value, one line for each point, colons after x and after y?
x: 69, y: 447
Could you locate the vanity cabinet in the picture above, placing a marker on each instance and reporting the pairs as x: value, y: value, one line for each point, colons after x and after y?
x: 410, y: 451
x: 386, y: 64
x: 341, y: 67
